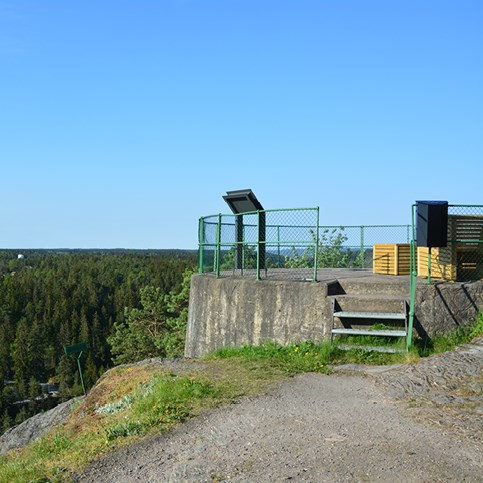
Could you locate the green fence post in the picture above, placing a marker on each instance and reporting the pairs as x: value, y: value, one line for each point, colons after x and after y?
x: 218, y: 247
x: 362, y: 254
x: 258, y: 245
x: 243, y: 250
x: 201, y: 240
x: 412, y: 284
x: 429, y: 266
x: 80, y: 373
x: 316, y: 254
x: 278, y: 245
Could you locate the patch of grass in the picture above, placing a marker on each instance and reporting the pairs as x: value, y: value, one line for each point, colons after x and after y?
x: 291, y: 359
x: 157, y: 405
x: 363, y: 356
x: 374, y: 341
x: 310, y: 357
x: 439, y: 344
x: 169, y: 399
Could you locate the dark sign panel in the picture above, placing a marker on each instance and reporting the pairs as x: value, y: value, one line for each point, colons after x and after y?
x: 76, y: 348
x: 242, y: 201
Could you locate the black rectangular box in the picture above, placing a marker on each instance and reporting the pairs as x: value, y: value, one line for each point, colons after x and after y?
x: 432, y: 223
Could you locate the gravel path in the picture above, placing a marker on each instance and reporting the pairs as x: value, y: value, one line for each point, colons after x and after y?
x: 370, y: 425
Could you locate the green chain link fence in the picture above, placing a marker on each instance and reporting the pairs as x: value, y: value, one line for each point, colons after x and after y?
x: 287, y: 244
x: 462, y: 259
x: 465, y: 240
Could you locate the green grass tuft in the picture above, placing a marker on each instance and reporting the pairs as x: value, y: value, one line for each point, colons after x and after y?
x: 439, y: 344
x: 292, y: 359
x: 311, y: 357
x: 166, y: 400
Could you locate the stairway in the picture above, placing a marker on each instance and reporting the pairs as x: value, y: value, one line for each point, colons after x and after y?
x: 368, y: 309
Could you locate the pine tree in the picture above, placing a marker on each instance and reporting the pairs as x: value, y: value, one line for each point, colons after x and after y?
x: 7, y: 421
x: 65, y: 375
x: 34, y: 392
x: 138, y: 338
x: 22, y: 415
x: 90, y: 372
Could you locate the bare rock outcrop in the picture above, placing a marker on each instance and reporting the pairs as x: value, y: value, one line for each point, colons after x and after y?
x: 36, y: 426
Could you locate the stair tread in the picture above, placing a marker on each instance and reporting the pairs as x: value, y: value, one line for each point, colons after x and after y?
x: 370, y: 315
x: 382, y: 333
x: 364, y: 296
x: 391, y: 350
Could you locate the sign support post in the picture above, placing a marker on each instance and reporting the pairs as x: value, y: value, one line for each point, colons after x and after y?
x: 77, y: 349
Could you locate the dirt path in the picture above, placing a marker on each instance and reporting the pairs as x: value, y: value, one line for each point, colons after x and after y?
x: 420, y: 423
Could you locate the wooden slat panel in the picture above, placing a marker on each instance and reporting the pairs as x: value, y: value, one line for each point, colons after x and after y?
x: 391, y: 259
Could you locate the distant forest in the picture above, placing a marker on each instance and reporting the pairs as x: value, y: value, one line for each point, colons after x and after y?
x: 50, y: 299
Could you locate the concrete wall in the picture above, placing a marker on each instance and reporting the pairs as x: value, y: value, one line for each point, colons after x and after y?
x: 232, y: 312
x: 443, y: 307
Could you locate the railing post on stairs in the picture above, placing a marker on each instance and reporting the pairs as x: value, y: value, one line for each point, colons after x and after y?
x: 412, y: 284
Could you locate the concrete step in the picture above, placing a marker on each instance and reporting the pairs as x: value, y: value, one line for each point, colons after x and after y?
x: 374, y: 333
x: 370, y: 315
x: 371, y: 348
x: 358, y: 323
x: 375, y: 288
x: 369, y: 303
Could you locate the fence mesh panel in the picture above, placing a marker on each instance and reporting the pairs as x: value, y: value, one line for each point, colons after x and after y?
x: 462, y: 259
x: 287, y: 244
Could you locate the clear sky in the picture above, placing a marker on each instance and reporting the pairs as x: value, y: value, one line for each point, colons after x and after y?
x: 122, y: 122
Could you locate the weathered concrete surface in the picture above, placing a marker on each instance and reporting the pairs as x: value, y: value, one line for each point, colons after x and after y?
x: 444, y: 306
x: 235, y: 311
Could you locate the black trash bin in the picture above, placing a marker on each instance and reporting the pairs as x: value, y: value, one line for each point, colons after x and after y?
x: 432, y: 223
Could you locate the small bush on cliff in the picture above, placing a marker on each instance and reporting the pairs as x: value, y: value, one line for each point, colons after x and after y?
x: 156, y: 329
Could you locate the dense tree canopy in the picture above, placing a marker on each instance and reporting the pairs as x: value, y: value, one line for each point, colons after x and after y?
x: 51, y: 299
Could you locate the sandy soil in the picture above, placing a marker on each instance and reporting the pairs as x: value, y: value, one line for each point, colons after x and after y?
x: 421, y: 423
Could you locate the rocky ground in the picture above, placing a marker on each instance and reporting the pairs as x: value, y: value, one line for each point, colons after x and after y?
x: 36, y: 426
x: 420, y: 422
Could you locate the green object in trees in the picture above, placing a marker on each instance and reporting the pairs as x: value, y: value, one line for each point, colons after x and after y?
x: 77, y: 349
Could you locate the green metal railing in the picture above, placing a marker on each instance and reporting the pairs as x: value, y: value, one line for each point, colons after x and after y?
x: 460, y: 261
x: 290, y: 244
x: 287, y: 244
x: 254, y: 243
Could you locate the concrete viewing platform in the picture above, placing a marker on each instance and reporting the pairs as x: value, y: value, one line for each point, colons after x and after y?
x: 324, y: 275
x: 236, y: 309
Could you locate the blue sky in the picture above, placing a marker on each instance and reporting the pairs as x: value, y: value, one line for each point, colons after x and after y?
x: 122, y: 122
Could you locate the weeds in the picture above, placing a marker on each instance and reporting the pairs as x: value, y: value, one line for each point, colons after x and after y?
x: 166, y: 400
x: 115, y: 407
x: 291, y: 359
x: 128, y: 428
x: 309, y: 356
x: 439, y: 344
